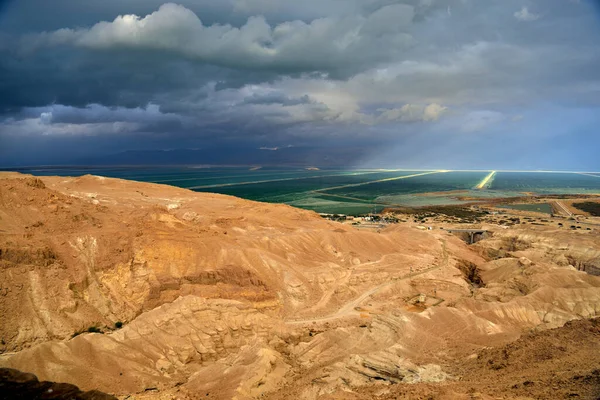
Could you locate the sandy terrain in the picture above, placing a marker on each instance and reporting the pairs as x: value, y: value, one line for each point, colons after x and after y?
x: 195, y: 295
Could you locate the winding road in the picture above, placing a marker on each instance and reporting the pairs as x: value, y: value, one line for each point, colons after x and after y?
x: 350, y: 307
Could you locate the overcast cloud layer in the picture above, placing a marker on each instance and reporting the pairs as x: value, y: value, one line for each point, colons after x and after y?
x: 355, y: 83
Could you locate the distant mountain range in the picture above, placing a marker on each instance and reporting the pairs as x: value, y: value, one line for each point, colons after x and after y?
x: 297, y: 156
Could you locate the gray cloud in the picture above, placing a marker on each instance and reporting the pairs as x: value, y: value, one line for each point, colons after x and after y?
x: 274, y: 97
x: 525, y: 15
x: 335, y: 72
x: 413, y: 113
x: 334, y: 45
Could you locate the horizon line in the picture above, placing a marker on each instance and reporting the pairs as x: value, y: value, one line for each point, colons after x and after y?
x: 13, y: 168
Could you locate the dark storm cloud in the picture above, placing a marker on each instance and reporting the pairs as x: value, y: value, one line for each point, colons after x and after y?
x: 386, y: 74
x: 79, y: 77
x: 276, y: 98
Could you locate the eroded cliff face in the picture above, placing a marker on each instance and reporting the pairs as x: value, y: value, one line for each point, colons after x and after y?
x: 220, y: 297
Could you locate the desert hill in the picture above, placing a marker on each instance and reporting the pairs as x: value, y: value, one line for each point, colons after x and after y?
x: 159, y: 292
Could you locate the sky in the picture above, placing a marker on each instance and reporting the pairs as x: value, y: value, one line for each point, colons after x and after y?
x: 453, y: 84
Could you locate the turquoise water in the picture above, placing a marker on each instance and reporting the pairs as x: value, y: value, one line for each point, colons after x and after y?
x: 287, y: 189
x: 538, y: 207
x: 547, y: 183
x: 438, y: 182
x: 345, y: 191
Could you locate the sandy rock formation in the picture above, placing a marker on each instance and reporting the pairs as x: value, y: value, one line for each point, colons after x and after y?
x: 143, y: 289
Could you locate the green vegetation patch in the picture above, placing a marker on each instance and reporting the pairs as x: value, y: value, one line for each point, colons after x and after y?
x: 589, y: 207
x: 450, y: 211
x: 535, y: 207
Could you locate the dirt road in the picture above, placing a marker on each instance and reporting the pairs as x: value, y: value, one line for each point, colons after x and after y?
x: 349, y: 308
x: 564, y: 208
